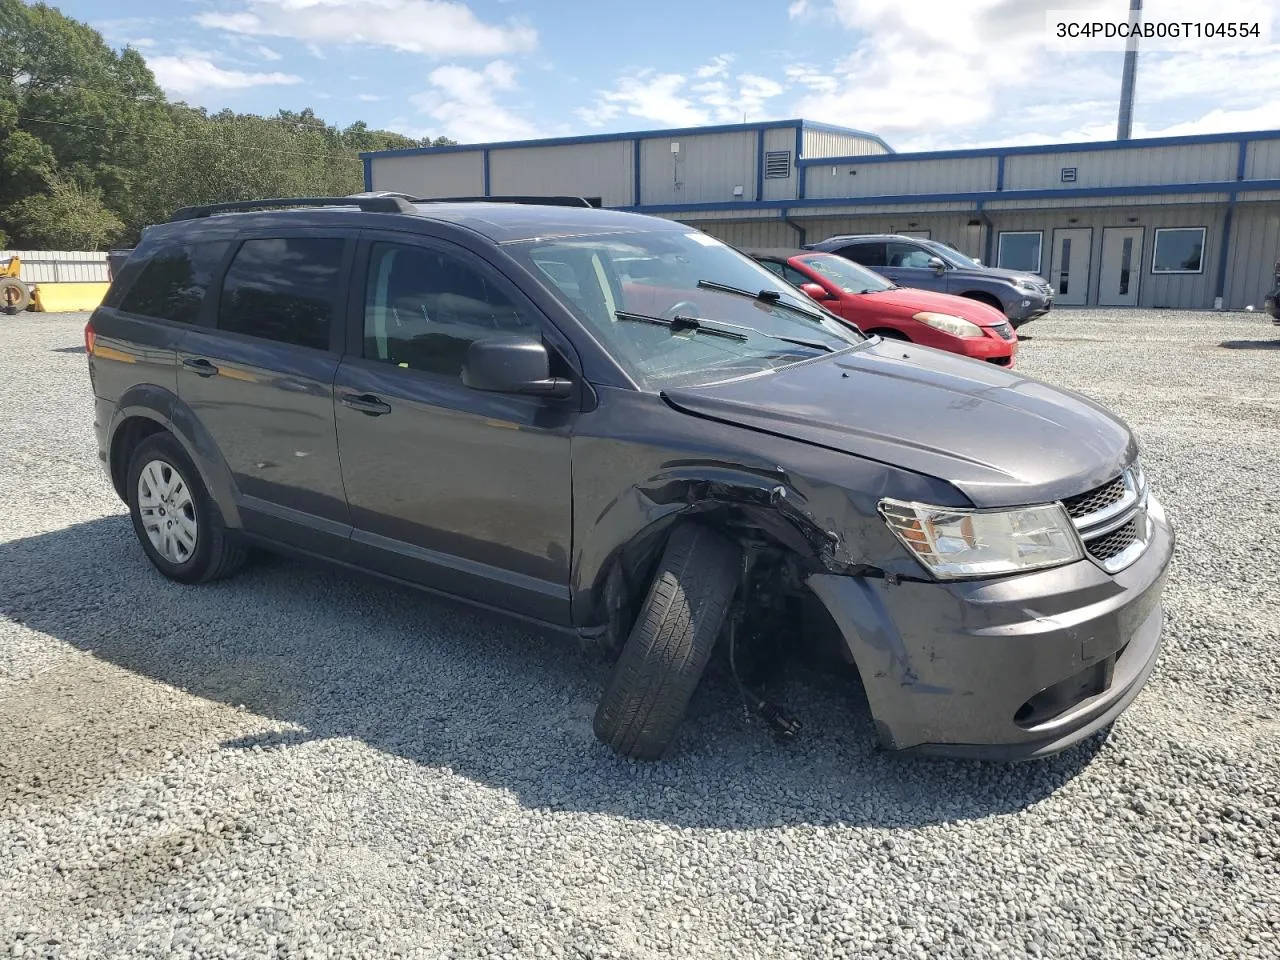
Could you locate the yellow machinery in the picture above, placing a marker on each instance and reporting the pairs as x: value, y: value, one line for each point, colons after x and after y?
x: 15, y: 296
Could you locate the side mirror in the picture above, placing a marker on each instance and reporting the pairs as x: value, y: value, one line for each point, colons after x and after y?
x: 937, y: 265
x: 815, y: 291
x: 512, y: 365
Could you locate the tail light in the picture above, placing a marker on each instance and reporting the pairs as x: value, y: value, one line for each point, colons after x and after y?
x: 89, y: 337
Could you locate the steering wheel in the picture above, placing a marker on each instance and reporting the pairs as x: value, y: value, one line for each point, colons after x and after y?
x: 685, y: 308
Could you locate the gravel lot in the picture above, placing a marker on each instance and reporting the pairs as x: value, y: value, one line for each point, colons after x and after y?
x: 296, y: 764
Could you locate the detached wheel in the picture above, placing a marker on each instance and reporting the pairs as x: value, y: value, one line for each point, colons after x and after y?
x: 14, y: 295
x: 176, y: 521
x: 664, y: 658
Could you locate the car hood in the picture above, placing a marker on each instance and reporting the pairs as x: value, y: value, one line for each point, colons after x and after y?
x: 997, y: 273
x: 1000, y: 438
x: 908, y: 301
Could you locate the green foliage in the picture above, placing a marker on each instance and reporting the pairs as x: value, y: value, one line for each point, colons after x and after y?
x: 85, y: 131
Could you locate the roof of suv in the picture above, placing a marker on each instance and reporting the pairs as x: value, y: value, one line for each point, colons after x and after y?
x: 500, y: 222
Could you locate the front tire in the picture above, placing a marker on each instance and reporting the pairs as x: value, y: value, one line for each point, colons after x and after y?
x: 176, y: 521
x: 664, y: 658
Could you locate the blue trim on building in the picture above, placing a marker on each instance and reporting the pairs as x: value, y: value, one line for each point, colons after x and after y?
x: 635, y: 162
x: 368, y: 173
x: 1242, y: 160
x: 1057, y: 148
x: 484, y: 166
x: 1162, y: 189
x: 1224, y: 241
x: 760, y: 164
x: 798, y: 169
x: 1000, y: 172
x: 599, y: 138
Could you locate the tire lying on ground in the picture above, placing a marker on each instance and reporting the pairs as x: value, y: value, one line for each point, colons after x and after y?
x: 14, y: 295
x: 664, y: 657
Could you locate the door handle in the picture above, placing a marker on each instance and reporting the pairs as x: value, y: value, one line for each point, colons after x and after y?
x: 366, y: 403
x: 200, y: 366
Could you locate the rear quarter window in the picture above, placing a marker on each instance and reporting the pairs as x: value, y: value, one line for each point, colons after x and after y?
x: 172, y: 283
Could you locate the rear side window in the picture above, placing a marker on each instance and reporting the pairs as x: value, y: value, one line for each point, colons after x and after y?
x: 283, y: 289
x: 867, y: 254
x: 173, y: 282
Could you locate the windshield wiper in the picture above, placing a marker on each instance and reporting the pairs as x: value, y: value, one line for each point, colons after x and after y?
x: 680, y: 324
x: 718, y: 328
x: 764, y: 296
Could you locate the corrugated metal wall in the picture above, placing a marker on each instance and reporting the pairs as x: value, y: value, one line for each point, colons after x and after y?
x: 60, y: 266
x: 604, y: 170
x: 897, y: 178
x: 1193, y: 163
x: 1263, y: 160
x: 706, y: 169
x: 756, y: 233
x: 431, y: 175
x: 1255, y: 247
x: 828, y: 143
x: 782, y: 138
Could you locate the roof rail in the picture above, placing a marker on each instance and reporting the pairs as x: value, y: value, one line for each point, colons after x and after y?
x: 377, y: 204
x: 545, y: 201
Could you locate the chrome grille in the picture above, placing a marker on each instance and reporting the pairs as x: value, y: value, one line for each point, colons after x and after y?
x: 1111, y: 545
x: 1112, y: 519
x: 1095, y: 500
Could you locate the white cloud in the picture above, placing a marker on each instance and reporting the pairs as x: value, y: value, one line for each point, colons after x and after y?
x: 464, y: 101
x: 265, y: 52
x: 369, y: 97
x: 798, y: 9
x: 186, y: 75
x: 436, y: 28
x: 708, y: 94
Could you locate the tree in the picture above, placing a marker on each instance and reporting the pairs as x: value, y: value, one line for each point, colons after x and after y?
x: 68, y: 217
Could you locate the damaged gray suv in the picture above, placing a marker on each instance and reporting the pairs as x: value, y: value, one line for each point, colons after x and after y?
x: 622, y: 428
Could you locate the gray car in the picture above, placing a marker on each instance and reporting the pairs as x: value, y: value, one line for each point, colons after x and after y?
x: 621, y: 428
x: 930, y: 265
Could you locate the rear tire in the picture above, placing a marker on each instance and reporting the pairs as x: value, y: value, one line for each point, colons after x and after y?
x: 670, y: 644
x: 176, y: 521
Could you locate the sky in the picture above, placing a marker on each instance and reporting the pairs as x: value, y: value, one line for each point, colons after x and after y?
x: 923, y: 74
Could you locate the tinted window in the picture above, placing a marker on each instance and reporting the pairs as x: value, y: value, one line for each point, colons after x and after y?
x: 867, y: 254
x: 423, y: 309
x: 907, y: 255
x: 1178, y: 250
x: 283, y: 289
x: 173, y: 282
x: 1020, y: 251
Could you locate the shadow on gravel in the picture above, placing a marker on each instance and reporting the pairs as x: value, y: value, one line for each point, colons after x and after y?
x: 1251, y: 344
x: 501, y: 704
x: 68, y: 350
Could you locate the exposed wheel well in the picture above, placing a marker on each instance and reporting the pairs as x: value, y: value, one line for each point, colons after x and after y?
x: 989, y: 299
x: 127, y: 437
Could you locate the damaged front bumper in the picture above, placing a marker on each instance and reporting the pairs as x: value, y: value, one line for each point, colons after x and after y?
x: 1006, y: 669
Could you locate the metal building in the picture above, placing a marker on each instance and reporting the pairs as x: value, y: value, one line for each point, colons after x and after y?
x: 1186, y: 222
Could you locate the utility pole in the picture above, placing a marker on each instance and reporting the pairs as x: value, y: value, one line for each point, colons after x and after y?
x: 1124, y: 128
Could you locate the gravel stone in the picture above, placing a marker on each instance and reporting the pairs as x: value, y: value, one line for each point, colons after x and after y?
x: 299, y: 764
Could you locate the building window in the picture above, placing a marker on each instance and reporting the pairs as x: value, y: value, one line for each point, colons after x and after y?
x: 1020, y: 251
x: 777, y: 164
x: 1068, y: 174
x: 1179, y: 250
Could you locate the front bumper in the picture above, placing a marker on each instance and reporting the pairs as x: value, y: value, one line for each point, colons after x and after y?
x: 1007, y: 669
x: 1026, y: 307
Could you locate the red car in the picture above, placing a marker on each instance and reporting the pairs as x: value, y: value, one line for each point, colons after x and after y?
x: 875, y: 305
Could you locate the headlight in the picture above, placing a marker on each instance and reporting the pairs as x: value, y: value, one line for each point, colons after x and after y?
x: 952, y: 542
x: 1026, y: 283
x: 956, y: 326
